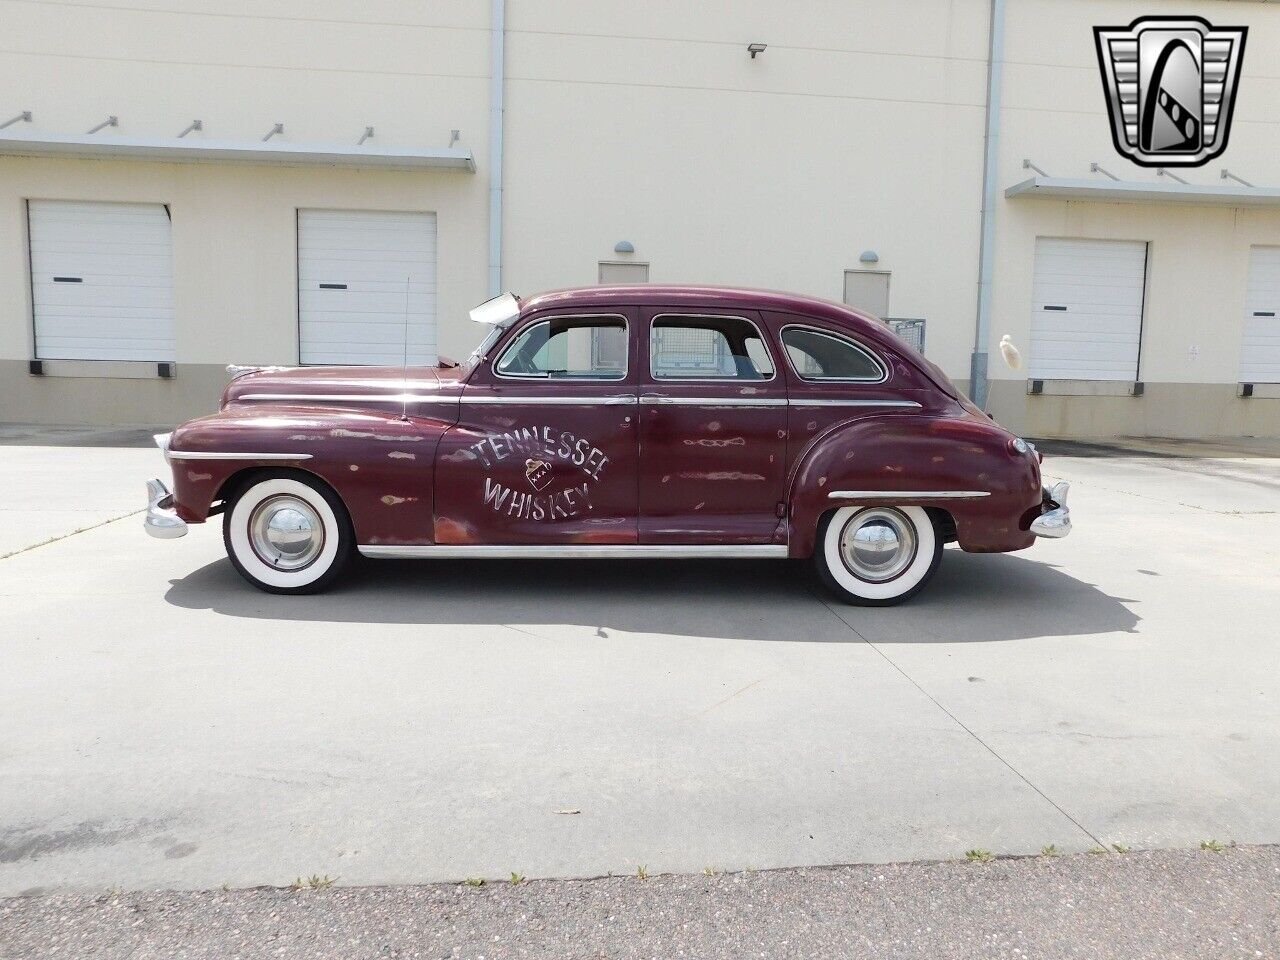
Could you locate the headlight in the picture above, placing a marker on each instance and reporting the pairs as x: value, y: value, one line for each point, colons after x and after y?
x: 1018, y: 445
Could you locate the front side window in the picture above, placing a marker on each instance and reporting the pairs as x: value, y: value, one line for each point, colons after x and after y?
x: 823, y: 356
x: 707, y: 348
x: 573, y: 348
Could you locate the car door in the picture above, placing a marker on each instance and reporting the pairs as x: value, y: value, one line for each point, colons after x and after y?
x: 713, y: 422
x: 544, y: 451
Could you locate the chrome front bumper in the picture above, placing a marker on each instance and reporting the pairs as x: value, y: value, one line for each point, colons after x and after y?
x: 162, y: 522
x: 1055, y: 522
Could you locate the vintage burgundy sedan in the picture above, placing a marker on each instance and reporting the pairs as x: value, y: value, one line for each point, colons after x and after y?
x: 645, y: 421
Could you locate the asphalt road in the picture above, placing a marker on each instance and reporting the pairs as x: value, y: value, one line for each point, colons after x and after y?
x: 1157, y: 905
x: 167, y: 726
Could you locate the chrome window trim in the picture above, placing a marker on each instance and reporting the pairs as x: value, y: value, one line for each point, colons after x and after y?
x: 841, y: 338
x: 712, y: 316
x: 571, y: 551
x: 907, y: 494
x: 526, y: 377
x: 220, y: 455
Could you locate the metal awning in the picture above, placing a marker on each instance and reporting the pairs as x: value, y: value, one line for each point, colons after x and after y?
x: 223, y: 151
x: 1137, y: 191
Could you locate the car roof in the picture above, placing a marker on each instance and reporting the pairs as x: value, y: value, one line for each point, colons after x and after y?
x: 742, y: 298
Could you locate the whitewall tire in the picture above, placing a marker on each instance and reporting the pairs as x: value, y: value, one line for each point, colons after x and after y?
x: 877, y: 556
x: 288, y: 535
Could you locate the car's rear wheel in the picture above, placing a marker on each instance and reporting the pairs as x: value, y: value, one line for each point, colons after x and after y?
x: 288, y: 534
x: 877, y: 556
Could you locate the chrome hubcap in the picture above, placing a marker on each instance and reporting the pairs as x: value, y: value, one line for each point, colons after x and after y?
x: 286, y: 532
x: 878, y: 544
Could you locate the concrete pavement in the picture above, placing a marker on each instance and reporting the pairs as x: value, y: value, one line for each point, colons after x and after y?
x: 167, y: 726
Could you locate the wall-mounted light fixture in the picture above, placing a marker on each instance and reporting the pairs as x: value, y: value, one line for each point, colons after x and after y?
x: 193, y: 125
x: 1228, y: 175
x: 109, y: 122
x: 624, y: 246
x: 869, y: 256
x: 756, y: 48
x: 278, y: 128
x: 23, y: 117
x: 454, y: 135
x: 368, y: 132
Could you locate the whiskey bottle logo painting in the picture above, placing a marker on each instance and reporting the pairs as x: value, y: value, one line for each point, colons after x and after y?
x: 1171, y: 87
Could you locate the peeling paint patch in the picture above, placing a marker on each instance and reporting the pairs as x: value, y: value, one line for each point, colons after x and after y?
x: 391, y: 500
x: 354, y: 467
x: 401, y: 455
x: 367, y: 435
x: 712, y: 442
x: 720, y: 475
x: 197, y: 477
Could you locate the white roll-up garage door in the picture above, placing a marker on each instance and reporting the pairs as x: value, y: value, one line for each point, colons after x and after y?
x: 1260, y: 346
x: 361, y: 277
x: 1086, y: 314
x: 101, y: 280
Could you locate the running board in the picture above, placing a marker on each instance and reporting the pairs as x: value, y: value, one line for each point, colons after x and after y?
x: 576, y: 551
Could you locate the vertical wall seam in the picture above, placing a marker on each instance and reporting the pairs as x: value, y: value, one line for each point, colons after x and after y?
x: 978, y: 367
x: 497, y: 85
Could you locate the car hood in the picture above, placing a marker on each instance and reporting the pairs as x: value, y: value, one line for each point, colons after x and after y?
x: 342, y: 386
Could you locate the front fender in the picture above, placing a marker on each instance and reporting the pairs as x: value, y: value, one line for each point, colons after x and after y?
x: 904, y: 454
x: 379, y: 465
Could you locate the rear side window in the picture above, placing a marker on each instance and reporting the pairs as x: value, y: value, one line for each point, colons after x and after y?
x: 683, y: 347
x: 819, y: 356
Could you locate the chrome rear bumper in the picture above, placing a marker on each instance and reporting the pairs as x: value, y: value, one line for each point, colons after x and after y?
x: 162, y: 522
x: 1055, y: 522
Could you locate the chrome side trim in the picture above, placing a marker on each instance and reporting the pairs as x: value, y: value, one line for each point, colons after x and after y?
x: 907, y: 494
x: 657, y: 398
x: 352, y: 397
x: 1055, y: 523
x: 212, y: 455
x: 625, y: 400
x: 161, y: 520
x: 573, y: 551
x: 854, y: 403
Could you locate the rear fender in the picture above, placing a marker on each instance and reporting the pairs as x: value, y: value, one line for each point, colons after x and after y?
x: 919, y: 453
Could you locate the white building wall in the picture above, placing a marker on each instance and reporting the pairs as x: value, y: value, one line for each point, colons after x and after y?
x: 859, y: 128
x: 1055, y: 115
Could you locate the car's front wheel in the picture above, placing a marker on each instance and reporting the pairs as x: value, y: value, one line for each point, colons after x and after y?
x: 286, y: 534
x: 877, y: 556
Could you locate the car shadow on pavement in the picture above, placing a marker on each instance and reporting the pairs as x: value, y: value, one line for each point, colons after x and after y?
x: 973, y: 598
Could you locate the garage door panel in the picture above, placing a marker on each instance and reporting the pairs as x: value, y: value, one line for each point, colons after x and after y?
x: 115, y: 298
x: 1097, y: 286
x: 1260, y: 340
x: 364, y: 259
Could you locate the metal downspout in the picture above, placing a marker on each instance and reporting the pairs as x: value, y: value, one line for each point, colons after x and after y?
x: 990, y: 192
x: 497, y: 43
